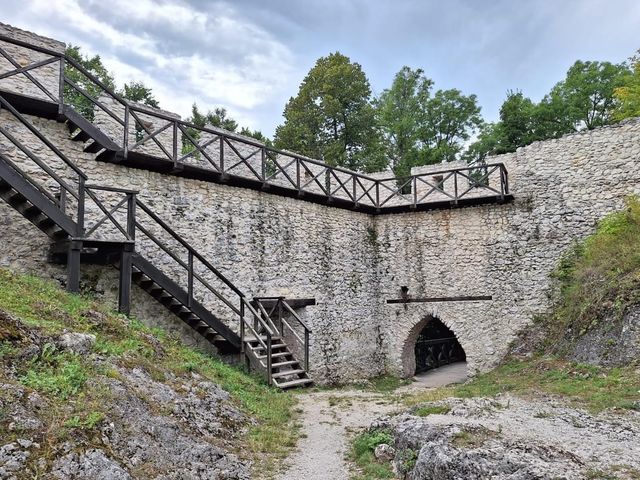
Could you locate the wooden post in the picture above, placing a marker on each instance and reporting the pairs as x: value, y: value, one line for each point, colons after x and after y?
x: 124, y: 288
x: 73, y: 266
x: 269, y: 360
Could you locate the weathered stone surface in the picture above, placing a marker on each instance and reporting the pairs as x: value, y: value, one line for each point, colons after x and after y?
x: 512, y: 438
x: 90, y: 465
x: 384, y: 452
x: 79, y: 343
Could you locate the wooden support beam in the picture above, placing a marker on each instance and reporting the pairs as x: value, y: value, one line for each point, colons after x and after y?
x: 468, y: 298
x: 124, y: 286
x: 293, y: 302
x: 73, y: 266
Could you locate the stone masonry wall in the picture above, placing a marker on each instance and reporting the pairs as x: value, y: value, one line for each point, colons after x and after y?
x: 353, y: 263
x: 562, y: 188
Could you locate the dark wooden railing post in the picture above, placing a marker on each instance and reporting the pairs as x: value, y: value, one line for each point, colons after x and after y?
x: 242, y: 347
x: 280, y: 300
x: 124, y: 287
x: 81, y: 197
x: 175, y: 143
x: 61, y: 87
x: 221, y: 154
x: 190, y: 280
x: 355, y: 190
x: 377, y: 205
x: 298, y: 187
x: 131, y: 216
x: 62, y: 201
x: 263, y: 156
x: 455, y: 187
x: 306, y: 349
x: 414, y: 187
x: 269, y: 359
x: 127, y: 116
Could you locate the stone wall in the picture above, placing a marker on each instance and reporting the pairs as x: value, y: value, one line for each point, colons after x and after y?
x: 352, y: 263
x: 562, y: 188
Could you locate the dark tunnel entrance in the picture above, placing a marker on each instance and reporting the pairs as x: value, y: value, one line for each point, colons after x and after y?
x: 437, y: 346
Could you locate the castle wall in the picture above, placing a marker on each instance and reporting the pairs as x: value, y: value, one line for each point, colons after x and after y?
x: 352, y: 263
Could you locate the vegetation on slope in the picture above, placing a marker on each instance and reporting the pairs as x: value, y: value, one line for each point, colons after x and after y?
x: 64, y: 379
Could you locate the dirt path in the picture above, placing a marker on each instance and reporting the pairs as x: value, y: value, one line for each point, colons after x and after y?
x: 329, y: 419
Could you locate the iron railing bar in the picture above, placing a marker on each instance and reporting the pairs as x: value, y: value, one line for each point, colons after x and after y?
x: 149, y: 136
x: 30, y: 46
x: 29, y: 179
x: 295, y: 315
x: 199, y: 148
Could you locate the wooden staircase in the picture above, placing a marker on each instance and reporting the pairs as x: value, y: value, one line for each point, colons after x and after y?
x: 252, y: 333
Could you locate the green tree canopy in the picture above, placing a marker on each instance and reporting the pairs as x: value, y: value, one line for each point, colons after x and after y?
x: 449, y: 120
x: 585, y: 98
x: 140, y: 93
x: 400, y: 114
x: 94, y: 66
x: 332, y: 117
x: 628, y: 93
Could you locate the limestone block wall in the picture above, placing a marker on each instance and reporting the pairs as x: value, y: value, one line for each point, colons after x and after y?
x: 47, y: 75
x: 562, y: 188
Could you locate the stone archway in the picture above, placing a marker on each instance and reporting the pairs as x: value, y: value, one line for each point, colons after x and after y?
x: 430, y: 344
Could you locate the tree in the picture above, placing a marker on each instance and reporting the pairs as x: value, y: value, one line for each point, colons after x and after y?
x: 489, y: 142
x: 332, y: 118
x: 628, y: 93
x: 94, y: 66
x: 400, y: 114
x: 585, y: 98
x: 449, y: 120
x: 138, y: 92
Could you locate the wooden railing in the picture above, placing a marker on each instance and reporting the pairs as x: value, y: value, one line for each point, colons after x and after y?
x: 279, y: 313
x: 139, y: 130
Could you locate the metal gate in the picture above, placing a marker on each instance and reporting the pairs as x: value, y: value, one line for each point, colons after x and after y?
x: 437, y: 346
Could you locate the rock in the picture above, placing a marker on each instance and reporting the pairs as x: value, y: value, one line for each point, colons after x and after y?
x: 80, y: 343
x: 384, y: 452
x: 12, y: 458
x: 90, y: 465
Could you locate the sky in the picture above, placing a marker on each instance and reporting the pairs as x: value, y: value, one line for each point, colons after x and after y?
x: 250, y: 56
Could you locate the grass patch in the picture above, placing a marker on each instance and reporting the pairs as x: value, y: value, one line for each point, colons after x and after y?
x: 127, y: 342
x: 599, y: 276
x: 362, y: 454
x: 472, y: 437
x: 427, y: 410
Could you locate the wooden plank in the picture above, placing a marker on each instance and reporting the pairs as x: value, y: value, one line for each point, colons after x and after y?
x: 467, y: 298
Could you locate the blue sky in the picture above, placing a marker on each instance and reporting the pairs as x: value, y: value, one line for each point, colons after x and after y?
x: 251, y: 55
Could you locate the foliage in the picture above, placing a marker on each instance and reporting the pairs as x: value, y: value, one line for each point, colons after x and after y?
x: 400, y: 113
x: 450, y: 118
x: 420, y: 128
x: 60, y: 374
x: 427, y: 410
x: 94, y: 66
x: 332, y: 117
x: 599, y: 276
x: 362, y: 453
x: 140, y: 93
x: 586, y: 94
x: 628, y: 93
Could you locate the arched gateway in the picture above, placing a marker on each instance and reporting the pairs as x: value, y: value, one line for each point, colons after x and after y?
x: 430, y: 344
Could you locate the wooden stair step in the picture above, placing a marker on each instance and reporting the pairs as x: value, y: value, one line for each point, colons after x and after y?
x: 275, y: 355
x: 287, y: 373
x: 293, y: 383
x: 285, y: 363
